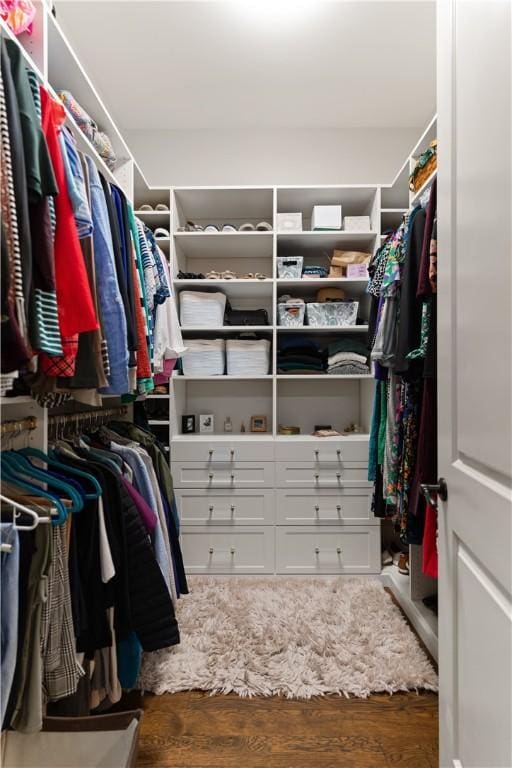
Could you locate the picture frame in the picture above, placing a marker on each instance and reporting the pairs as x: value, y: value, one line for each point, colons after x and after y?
x: 258, y: 423
x: 206, y: 423
x: 188, y: 424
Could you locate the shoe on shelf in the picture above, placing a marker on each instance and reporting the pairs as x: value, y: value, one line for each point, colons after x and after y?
x: 403, y: 564
x: 387, y: 559
x: 263, y: 226
x: 161, y: 207
x: 247, y: 227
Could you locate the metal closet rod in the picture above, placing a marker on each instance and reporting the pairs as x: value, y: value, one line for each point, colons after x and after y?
x: 99, y: 414
x: 20, y: 425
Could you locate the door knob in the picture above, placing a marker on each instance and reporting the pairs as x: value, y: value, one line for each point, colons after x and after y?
x: 433, y: 490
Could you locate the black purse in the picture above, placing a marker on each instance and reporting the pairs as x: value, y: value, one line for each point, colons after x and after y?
x: 245, y: 316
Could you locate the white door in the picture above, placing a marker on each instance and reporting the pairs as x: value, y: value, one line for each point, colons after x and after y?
x: 475, y: 340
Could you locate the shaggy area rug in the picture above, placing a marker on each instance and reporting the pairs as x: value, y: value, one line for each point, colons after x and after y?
x: 296, y: 638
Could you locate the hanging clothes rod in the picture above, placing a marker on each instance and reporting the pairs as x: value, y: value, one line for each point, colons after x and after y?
x: 21, y: 425
x: 96, y: 417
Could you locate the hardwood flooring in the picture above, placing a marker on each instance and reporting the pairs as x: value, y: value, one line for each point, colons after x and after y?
x: 196, y: 730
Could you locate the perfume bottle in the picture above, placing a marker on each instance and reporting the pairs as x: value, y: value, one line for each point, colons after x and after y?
x: 242, y: 428
x: 228, y: 425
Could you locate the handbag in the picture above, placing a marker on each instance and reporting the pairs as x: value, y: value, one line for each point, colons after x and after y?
x: 245, y: 316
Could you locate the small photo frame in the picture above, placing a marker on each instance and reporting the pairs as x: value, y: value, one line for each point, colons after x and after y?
x: 206, y: 423
x: 258, y: 423
x: 188, y: 424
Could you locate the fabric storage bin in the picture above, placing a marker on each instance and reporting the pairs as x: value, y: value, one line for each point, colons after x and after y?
x: 333, y: 313
x: 326, y: 217
x: 200, y: 308
x: 204, y: 357
x: 357, y: 223
x: 247, y: 357
x: 291, y: 314
x: 290, y: 267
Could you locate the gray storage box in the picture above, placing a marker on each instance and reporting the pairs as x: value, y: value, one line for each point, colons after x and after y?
x: 290, y: 267
x: 291, y: 314
x: 332, y: 313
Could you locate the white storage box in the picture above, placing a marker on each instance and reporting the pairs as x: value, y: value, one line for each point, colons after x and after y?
x: 289, y: 222
x: 357, y: 223
x: 247, y: 357
x: 290, y: 267
x: 291, y: 313
x: 332, y: 313
x: 200, y: 308
x: 326, y: 217
x: 204, y: 357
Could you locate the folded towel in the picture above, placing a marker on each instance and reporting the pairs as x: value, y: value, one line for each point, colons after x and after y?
x: 349, y: 357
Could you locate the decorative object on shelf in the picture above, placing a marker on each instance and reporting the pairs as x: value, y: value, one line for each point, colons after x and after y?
x: 357, y: 271
x: 228, y: 424
x: 326, y: 217
x: 425, y: 167
x: 100, y: 140
x: 188, y: 424
x: 353, y: 429
x: 319, y: 427
x: 206, y: 423
x: 326, y: 433
x: 332, y: 313
x: 258, y: 423
x: 289, y: 222
x: 290, y: 267
x: 343, y: 258
x: 242, y: 428
x: 314, y: 271
x: 286, y: 430
x: 330, y: 294
x: 357, y: 223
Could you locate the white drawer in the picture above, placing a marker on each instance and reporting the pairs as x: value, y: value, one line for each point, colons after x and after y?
x: 223, y: 452
x: 225, y: 507
x: 354, y: 549
x: 322, y: 450
x: 325, y: 507
x: 222, y: 550
x: 306, y: 474
x: 193, y: 474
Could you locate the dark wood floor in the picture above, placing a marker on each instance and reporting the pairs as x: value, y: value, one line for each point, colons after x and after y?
x: 195, y: 730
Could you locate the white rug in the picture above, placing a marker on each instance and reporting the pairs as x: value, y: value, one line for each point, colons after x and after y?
x: 296, y: 638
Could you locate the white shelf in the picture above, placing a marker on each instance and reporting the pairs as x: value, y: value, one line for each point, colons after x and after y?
x: 224, y: 234
x: 359, y: 437
x: 154, y: 218
x: 311, y: 241
x: 227, y: 329
x: 424, y: 620
x: 223, y: 377
x: 234, y: 289
x: 324, y: 329
x: 321, y: 376
x: 215, y: 245
x: 222, y: 437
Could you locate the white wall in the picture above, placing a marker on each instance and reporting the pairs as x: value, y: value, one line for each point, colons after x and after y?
x: 271, y: 156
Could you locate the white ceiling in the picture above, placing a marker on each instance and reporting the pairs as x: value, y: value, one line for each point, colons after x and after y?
x: 171, y: 65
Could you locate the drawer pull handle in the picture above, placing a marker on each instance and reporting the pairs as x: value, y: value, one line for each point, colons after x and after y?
x: 338, y: 550
x: 210, y: 509
x: 317, y: 508
x: 316, y: 475
x: 338, y: 452
x: 211, y: 550
x: 232, y: 453
x: 338, y: 507
x: 317, y: 550
x: 338, y: 475
x: 210, y: 475
x: 232, y: 550
x: 317, y: 453
x: 232, y: 478
x: 210, y: 453
x: 232, y: 508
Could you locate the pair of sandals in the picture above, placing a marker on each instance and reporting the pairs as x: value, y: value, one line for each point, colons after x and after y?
x: 229, y: 275
x: 161, y: 233
x: 262, y: 226
x: 160, y: 207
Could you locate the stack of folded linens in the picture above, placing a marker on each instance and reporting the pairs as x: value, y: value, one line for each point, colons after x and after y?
x: 347, y: 357
x: 300, y: 355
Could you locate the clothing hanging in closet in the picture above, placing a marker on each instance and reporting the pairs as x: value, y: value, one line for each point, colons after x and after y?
x: 402, y: 341
x: 85, y: 595
x: 87, y: 302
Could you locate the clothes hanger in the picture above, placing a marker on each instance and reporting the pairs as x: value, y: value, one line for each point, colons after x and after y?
x: 54, y: 500
x: 51, y: 461
x: 17, y: 508
x: 20, y: 465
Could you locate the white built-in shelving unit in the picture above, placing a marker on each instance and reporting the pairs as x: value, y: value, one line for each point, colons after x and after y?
x: 254, y: 502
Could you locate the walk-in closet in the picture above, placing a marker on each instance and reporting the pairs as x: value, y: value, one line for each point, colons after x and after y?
x: 256, y: 388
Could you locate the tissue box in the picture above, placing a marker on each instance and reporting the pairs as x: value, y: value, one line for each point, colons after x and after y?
x: 357, y: 223
x: 289, y: 222
x: 357, y: 270
x: 326, y: 217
